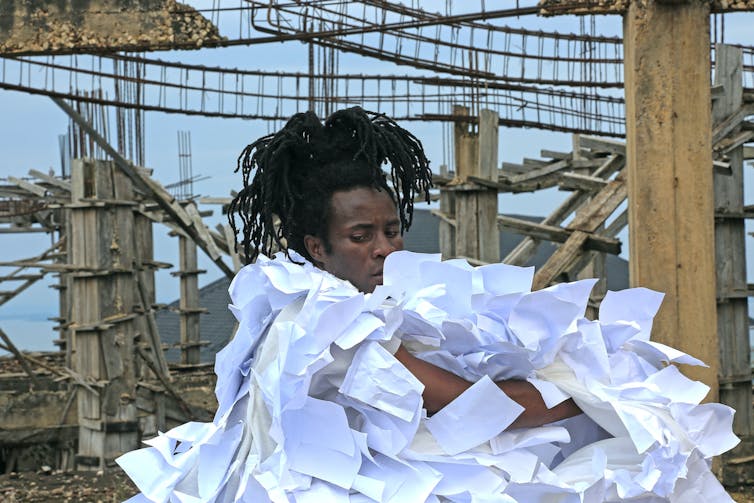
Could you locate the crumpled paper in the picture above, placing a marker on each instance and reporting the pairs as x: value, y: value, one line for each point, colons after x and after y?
x: 313, y: 406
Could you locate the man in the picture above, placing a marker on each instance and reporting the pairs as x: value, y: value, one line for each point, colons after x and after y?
x: 327, y: 186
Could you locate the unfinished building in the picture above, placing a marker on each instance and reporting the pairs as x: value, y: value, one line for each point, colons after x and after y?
x: 110, y: 384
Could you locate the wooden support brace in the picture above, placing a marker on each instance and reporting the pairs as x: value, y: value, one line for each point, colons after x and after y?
x: 19, y: 356
x: 540, y: 172
x: 51, y: 180
x: 563, y: 257
x: 558, y: 234
x: 28, y: 186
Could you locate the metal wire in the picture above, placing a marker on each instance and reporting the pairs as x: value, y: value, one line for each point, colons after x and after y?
x: 221, y: 92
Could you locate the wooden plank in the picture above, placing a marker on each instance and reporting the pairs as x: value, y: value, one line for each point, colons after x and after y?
x: 22, y: 230
x: 563, y: 257
x: 600, y: 207
x: 730, y: 248
x: 189, y: 301
x: 557, y: 234
x: 28, y: 186
x: 29, y: 282
x: 488, y: 234
x: 153, y: 334
x: 460, y: 129
x: 215, y: 200
x: 731, y: 122
x: 528, y: 246
x: 21, y: 277
x: 218, y: 236
x: 617, y: 225
x: 230, y: 240
x: 488, y: 144
x: 201, y: 229
x: 533, y: 174
x: 468, y: 152
x: 466, y: 216
x: 734, y: 141
x: 603, y: 145
x: 553, y: 154
x: 587, y: 183
x: 57, y: 182
x: 511, y: 168
x: 19, y: 356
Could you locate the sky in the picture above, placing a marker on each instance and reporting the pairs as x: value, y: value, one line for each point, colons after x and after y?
x: 30, y: 125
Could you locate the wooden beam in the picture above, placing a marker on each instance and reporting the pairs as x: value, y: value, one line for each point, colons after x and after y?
x: 526, y: 248
x: 731, y: 122
x: 147, y: 185
x: 540, y: 172
x: 28, y: 186
x: 230, y: 240
x: 603, y: 145
x: 559, y: 261
x: 557, y: 234
x: 601, y: 206
x: 576, y: 181
x: 57, y: 182
x: 19, y: 356
x: 730, y: 248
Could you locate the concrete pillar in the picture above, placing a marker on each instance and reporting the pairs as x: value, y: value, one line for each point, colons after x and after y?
x: 669, y: 159
x: 102, y: 312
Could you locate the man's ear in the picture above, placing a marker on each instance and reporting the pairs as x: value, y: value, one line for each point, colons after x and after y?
x: 315, y: 247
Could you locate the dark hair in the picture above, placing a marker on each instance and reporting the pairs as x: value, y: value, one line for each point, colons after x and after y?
x: 297, y: 169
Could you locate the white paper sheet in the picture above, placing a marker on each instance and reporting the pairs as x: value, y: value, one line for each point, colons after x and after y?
x: 477, y: 415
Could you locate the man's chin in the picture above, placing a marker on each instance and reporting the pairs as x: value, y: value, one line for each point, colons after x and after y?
x: 371, y: 283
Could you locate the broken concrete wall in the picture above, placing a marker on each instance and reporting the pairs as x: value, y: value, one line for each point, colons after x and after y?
x: 589, y: 7
x: 96, y: 26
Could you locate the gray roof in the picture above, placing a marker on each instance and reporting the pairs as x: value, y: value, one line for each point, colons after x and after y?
x: 216, y: 326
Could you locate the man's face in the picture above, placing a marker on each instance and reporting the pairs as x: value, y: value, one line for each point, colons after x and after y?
x: 364, y: 229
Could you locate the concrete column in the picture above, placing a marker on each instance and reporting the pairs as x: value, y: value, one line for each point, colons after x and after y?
x: 669, y: 159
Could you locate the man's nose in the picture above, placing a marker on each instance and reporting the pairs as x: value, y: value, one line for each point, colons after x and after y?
x: 383, y: 246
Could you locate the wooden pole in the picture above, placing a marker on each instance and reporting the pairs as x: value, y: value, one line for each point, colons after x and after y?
x: 476, y: 234
x: 730, y: 256
x: 189, y: 302
x: 669, y: 163
x: 595, y: 268
x: 487, y: 143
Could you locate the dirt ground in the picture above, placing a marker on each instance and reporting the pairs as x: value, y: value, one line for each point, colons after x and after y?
x: 70, y: 487
x: 114, y: 486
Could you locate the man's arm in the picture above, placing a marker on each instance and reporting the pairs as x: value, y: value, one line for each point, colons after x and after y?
x: 442, y: 387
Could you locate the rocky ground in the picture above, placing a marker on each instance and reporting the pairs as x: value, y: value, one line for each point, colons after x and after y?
x: 114, y: 486
x: 70, y: 487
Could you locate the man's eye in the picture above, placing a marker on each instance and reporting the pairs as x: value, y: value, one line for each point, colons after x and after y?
x: 391, y: 234
x: 359, y: 238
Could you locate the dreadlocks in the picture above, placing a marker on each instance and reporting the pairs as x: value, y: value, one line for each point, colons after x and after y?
x: 297, y: 169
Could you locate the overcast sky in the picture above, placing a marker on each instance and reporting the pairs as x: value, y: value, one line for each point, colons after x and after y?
x: 30, y: 125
